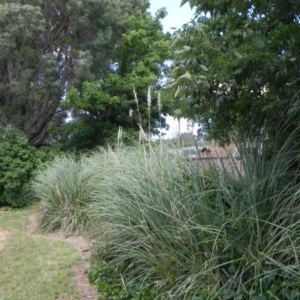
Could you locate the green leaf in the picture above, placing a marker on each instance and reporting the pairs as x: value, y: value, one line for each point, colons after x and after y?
x: 178, y: 92
x: 237, y: 72
x: 186, y: 75
x: 258, y: 43
x: 204, y: 68
x: 237, y: 54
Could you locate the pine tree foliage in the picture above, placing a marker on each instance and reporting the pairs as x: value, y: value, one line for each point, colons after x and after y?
x: 48, y: 46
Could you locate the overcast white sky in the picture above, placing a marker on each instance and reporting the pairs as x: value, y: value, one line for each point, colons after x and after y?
x: 177, y: 16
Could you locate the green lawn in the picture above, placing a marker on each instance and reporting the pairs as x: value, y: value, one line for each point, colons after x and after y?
x: 34, y: 267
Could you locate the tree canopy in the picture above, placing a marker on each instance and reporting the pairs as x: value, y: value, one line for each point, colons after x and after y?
x: 119, y: 98
x: 237, y: 65
x: 235, y: 69
x: 46, y: 47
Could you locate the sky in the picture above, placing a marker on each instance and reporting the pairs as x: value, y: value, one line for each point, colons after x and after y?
x: 176, y: 17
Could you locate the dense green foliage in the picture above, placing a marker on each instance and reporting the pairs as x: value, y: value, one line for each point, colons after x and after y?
x: 18, y: 164
x: 167, y: 227
x: 99, y: 108
x: 170, y: 228
x: 50, y: 46
x: 237, y: 66
x: 221, y: 233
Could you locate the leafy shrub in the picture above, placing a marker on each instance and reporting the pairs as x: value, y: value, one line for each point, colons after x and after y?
x: 18, y: 163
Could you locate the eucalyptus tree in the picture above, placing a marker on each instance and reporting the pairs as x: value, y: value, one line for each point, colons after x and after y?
x: 47, y: 47
x: 237, y: 66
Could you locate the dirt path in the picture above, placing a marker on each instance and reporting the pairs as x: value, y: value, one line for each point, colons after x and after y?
x: 84, y: 289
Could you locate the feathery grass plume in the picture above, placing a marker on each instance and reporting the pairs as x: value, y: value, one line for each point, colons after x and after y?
x: 190, y: 230
x: 135, y: 96
x: 159, y: 105
x: 149, y: 98
x: 159, y: 102
x: 149, y: 112
x: 141, y: 133
x: 62, y: 190
x: 120, y: 137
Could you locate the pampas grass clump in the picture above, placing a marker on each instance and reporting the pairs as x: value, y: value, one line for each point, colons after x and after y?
x: 193, y: 231
x: 63, y: 191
